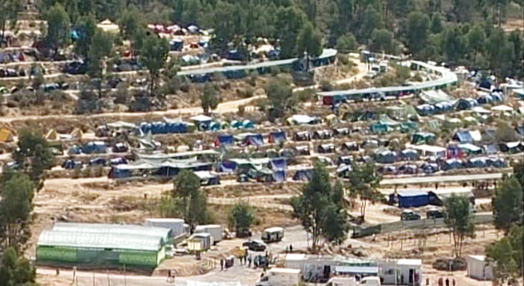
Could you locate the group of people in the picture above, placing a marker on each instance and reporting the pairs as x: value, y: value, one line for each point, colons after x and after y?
x: 245, y: 259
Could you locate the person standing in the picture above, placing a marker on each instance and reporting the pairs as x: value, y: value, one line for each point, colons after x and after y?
x: 221, y: 264
x: 249, y: 259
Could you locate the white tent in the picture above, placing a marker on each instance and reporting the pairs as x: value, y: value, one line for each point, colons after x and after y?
x: 503, y: 108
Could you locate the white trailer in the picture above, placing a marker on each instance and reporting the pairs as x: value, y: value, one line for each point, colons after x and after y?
x: 280, y: 277
x: 214, y: 229
x: 175, y: 224
x: 199, y: 242
x: 341, y: 281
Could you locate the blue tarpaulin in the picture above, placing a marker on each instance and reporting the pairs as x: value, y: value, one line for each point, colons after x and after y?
x: 412, y: 199
x: 225, y: 140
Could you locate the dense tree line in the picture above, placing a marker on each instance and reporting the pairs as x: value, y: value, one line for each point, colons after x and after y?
x: 508, y: 210
x: 459, y: 33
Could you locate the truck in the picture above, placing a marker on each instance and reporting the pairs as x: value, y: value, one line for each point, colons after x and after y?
x: 215, y: 230
x: 273, y: 234
x: 280, y: 277
x: 175, y: 224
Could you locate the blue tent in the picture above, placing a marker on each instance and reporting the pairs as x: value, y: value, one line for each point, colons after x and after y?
x: 408, y: 169
x: 225, y: 140
x: 235, y: 124
x: 386, y: 157
x: 343, y: 171
x: 429, y: 168
x: 97, y: 162
x: 452, y: 164
x: 75, y: 150
x: 412, y: 199
x: 491, y: 149
x: 214, y: 126
x: 247, y: 124
x: 485, y: 99
x: 118, y: 161
x: 145, y: 127
x: 278, y: 164
x: 443, y: 107
x: 485, y: 84
x: 497, y: 162
x: 477, y: 163
x: 425, y: 109
x: 95, y: 147
x: 71, y: 164
x: 227, y: 166
x: 409, y: 154
x: 116, y: 173
x: 346, y: 160
x: 463, y: 137
x: 465, y: 104
x: 497, y: 96
x: 176, y: 127
x: 303, y: 175
x: 277, y: 137
x: 254, y: 139
x: 388, y: 170
x: 177, y: 45
x: 279, y: 176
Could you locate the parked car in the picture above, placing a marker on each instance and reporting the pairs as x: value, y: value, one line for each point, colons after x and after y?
x: 255, y: 245
x: 409, y: 215
x: 434, y: 213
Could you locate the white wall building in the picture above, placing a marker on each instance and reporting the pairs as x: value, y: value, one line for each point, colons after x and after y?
x: 391, y: 272
x: 478, y: 268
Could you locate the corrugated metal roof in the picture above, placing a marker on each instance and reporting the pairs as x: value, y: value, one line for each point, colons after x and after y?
x: 111, y: 241
x: 117, y: 229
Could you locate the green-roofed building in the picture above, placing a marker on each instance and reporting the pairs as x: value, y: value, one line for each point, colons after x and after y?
x: 103, y: 245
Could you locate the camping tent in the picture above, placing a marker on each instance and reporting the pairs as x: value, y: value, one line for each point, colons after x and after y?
x: 298, y: 119
x: 94, y: 147
x: 409, y: 154
x: 467, y: 136
x: 326, y: 148
x: 303, y: 175
x: 386, y: 157
x: 77, y: 134
x: 52, y: 135
x: 322, y: 134
x: 302, y: 136
x: 277, y: 137
x: 250, y: 139
x: 278, y: 164
x: 224, y: 140
x: 423, y: 138
x: 6, y: 135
